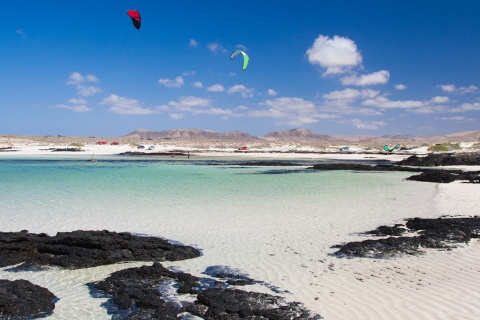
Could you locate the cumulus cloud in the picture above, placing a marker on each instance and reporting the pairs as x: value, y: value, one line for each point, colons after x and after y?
x: 336, y: 54
x: 469, y: 89
x: 243, y: 90
x: 176, y: 83
x: 122, y: 105
x: 469, y: 107
x: 341, y: 101
x: 75, y: 105
x: 400, y: 86
x: 198, y: 84
x: 81, y: 82
x: 457, y: 118
x: 290, y: 111
x: 440, y: 99
x: 448, y: 87
x: 351, y: 94
x: 216, y: 88
x: 451, y: 88
x: 379, y: 77
x: 74, y: 108
x: 271, y: 92
x: 216, y: 47
x: 193, y: 43
x: 361, y: 124
x: 192, y: 105
x: 385, y: 103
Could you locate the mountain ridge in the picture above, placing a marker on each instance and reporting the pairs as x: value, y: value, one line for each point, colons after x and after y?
x: 303, y: 135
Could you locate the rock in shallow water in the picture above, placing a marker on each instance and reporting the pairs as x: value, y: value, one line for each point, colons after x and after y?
x: 83, y: 249
x: 21, y: 299
x: 140, y: 293
x: 441, y: 233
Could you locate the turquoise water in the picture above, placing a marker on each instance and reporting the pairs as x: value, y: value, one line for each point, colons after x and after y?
x: 135, y: 194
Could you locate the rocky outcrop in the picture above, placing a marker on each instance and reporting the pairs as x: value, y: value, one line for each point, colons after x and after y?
x: 83, y: 249
x: 21, y: 299
x: 442, y: 159
x: 155, y: 292
x: 418, y: 233
x: 426, y: 175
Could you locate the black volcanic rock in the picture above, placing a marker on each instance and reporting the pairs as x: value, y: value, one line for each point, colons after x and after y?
x: 155, y: 292
x: 83, y: 249
x: 441, y: 233
x: 426, y: 175
x: 442, y: 159
x: 21, y: 299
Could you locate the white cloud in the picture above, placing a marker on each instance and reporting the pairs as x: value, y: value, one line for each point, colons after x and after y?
x: 189, y: 73
x: 123, y: 105
x: 448, y: 87
x: 271, y: 92
x: 379, y: 77
x: 385, y: 103
x: 177, y: 83
x: 470, y: 106
x: 457, y: 118
x: 198, y: 84
x: 243, y: 90
x: 77, y: 101
x: 192, y: 105
x: 216, y: 47
x: 369, y: 125
x: 469, y: 89
x: 451, y: 88
x: 80, y: 82
x: 400, y: 86
x: 76, y: 78
x: 193, y: 43
x: 290, y: 111
x: 186, y: 103
x: 340, y: 101
x: 216, y: 88
x: 337, y: 55
x: 440, y: 99
x: 351, y: 94
x: 177, y: 116
x: 75, y: 108
x: 87, y: 91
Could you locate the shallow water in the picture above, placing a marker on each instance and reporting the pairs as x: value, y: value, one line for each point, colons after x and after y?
x: 277, y: 224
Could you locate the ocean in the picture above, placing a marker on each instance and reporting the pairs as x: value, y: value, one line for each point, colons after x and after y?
x: 276, y: 223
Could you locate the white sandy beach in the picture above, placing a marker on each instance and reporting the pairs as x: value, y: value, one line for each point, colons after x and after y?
x: 437, y: 285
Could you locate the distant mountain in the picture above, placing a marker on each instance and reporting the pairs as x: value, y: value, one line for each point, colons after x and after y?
x: 192, y: 134
x: 304, y: 135
x: 298, y: 135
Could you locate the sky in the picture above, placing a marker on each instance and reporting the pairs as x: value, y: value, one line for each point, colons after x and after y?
x: 80, y: 68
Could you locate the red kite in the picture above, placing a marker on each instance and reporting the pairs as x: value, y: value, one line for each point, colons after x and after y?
x: 135, y: 15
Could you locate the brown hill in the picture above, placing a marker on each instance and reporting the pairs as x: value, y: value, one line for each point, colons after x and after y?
x: 192, y: 134
x: 296, y: 135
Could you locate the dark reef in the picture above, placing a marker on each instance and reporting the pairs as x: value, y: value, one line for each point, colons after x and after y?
x: 83, y: 249
x: 415, y: 164
x: 146, y: 293
x: 21, y: 299
x: 417, y: 233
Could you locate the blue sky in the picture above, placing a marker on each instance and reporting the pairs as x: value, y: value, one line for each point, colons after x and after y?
x: 334, y: 67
